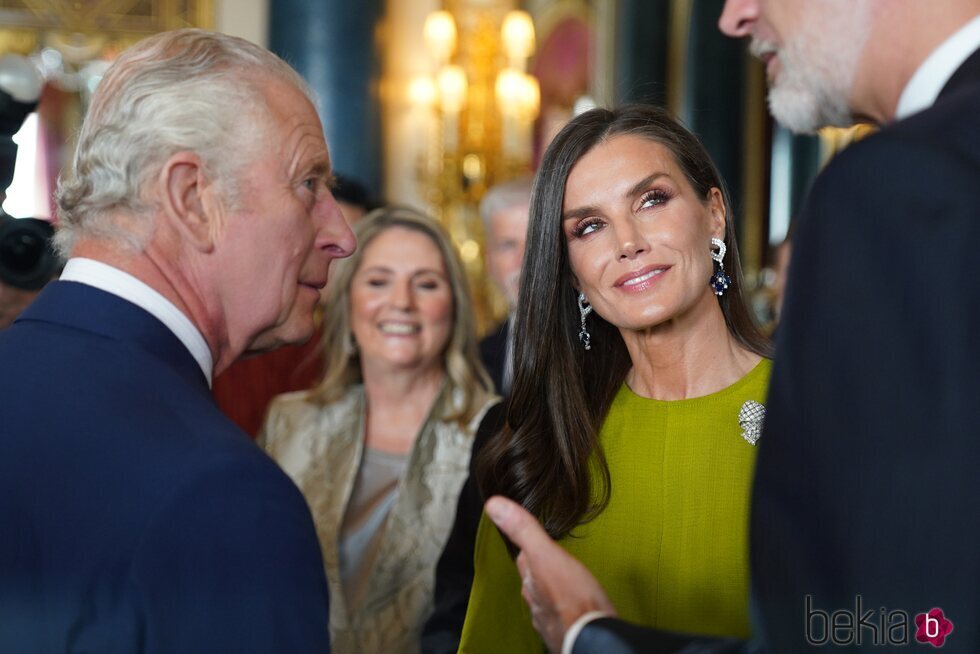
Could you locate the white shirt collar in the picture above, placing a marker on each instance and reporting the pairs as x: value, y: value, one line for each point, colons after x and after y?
x: 121, y: 284
x: 924, y: 86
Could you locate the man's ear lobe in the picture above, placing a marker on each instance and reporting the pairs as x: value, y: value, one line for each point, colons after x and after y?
x: 183, y: 187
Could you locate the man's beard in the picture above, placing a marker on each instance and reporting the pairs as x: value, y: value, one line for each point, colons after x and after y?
x: 817, y: 70
x: 804, y: 98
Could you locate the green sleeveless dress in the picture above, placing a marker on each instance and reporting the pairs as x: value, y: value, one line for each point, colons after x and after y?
x: 671, y: 548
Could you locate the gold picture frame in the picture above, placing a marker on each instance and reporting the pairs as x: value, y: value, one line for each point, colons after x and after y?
x: 90, y: 29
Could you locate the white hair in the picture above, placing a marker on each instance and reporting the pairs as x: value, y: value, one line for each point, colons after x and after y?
x: 182, y: 90
x: 513, y: 193
x: 818, y: 66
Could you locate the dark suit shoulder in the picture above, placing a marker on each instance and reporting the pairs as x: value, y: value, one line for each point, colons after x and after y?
x: 163, y: 528
x: 924, y: 167
x: 236, y: 536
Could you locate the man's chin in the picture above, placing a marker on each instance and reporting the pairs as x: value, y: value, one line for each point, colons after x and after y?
x: 290, y: 333
x: 802, y: 112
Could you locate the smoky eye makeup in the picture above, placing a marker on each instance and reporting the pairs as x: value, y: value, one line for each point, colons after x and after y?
x: 654, y: 198
x: 586, y: 226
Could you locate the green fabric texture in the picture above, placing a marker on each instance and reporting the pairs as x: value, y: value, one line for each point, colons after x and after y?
x: 671, y: 548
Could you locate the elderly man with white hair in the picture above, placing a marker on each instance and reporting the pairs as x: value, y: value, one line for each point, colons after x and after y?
x: 505, y: 210
x: 198, y: 225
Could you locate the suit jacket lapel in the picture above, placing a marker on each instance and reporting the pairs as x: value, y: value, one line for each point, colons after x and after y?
x: 84, y: 307
x: 968, y: 74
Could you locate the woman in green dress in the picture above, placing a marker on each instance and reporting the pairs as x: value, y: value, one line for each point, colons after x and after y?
x: 636, y: 360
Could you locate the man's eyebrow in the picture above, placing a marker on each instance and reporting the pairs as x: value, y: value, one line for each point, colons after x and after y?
x: 322, y: 170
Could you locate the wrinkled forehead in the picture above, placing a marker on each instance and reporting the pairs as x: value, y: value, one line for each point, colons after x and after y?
x: 289, y: 120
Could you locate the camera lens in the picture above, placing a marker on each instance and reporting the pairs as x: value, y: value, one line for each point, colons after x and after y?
x: 21, y: 252
x: 26, y: 258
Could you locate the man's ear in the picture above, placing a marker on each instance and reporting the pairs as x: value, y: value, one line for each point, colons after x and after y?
x: 719, y: 219
x: 183, y: 187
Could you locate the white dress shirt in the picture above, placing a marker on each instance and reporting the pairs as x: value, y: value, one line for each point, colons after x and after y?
x: 121, y: 284
x: 929, y: 79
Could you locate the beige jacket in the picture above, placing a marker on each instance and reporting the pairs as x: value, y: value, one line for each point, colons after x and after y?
x: 321, y: 448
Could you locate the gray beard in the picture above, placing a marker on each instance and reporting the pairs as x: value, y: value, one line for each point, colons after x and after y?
x: 807, y: 96
x: 817, y: 69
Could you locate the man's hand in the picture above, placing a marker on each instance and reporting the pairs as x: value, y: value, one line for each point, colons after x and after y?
x: 557, y: 587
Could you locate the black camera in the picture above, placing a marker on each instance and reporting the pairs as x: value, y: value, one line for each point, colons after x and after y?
x: 27, y: 258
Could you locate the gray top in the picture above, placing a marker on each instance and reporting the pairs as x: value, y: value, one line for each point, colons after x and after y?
x: 372, y: 496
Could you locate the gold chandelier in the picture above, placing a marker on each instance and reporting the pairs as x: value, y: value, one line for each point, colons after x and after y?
x: 473, y: 115
x: 478, y: 106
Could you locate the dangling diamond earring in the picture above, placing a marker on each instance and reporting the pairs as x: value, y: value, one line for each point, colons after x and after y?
x: 584, y: 309
x: 720, y: 281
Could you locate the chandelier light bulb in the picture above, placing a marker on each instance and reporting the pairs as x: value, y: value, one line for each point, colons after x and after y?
x: 439, y: 34
x: 517, y: 34
x: 452, y: 89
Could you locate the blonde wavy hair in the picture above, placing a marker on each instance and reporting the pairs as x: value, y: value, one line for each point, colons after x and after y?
x: 461, y: 357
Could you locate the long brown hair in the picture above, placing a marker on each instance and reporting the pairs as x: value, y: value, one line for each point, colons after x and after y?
x: 461, y: 357
x: 548, y: 451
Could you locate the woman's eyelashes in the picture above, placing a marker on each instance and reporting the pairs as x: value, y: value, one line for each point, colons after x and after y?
x: 421, y: 283
x: 587, y: 226
x: 653, y: 198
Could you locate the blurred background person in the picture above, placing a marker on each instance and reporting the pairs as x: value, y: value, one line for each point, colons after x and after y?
x: 635, y: 361
x: 353, y: 196
x: 381, y: 446
x: 504, y: 210
x: 244, y: 391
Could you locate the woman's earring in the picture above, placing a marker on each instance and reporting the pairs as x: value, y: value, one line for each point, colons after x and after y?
x: 584, y: 309
x: 720, y: 281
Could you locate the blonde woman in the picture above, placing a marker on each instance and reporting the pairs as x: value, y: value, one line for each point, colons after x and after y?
x: 381, y: 447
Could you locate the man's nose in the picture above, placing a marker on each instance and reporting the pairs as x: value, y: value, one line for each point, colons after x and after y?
x: 738, y: 16
x: 333, y: 233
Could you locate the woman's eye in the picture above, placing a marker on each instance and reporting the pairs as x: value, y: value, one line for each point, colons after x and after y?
x: 653, y: 198
x: 587, y: 227
x: 376, y: 282
x: 429, y: 285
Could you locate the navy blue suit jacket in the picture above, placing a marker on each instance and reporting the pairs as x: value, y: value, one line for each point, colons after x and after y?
x: 867, y: 482
x: 134, y: 516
